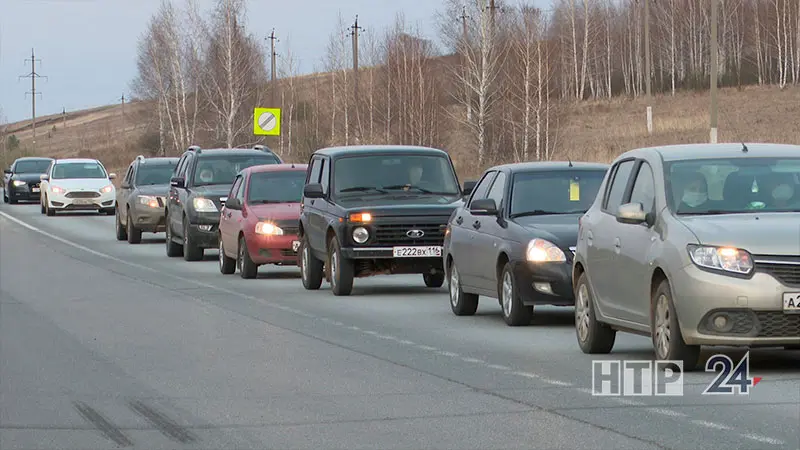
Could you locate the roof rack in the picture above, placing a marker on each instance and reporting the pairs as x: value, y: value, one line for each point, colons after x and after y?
x: 263, y: 148
x: 140, y: 158
x: 195, y: 148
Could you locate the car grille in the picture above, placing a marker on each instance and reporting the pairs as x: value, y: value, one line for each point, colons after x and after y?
x: 395, y: 234
x: 786, y: 272
x: 33, y: 184
x: 82, y: 194
x: 289, y: 227
x: 777, y: 324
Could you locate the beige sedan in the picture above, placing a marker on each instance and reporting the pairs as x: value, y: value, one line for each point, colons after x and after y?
x: 692, y: 245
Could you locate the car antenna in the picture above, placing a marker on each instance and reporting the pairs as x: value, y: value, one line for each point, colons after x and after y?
x: 744, y: 148
x: 292, y: 165
x: 570, y: 162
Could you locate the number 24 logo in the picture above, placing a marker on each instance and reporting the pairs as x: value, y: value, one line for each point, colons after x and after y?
x: 730, y: 379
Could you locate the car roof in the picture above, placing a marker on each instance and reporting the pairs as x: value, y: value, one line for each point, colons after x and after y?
x: 230, y: 151
x: 350, y: 150
x: 277, y: 168
x: 77, y: 160
x: 34, y: 158
x: 725, y: 150
x: 159, y: 160
x: 549, y: 166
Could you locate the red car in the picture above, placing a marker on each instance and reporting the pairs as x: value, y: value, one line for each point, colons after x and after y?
x: 260, y: 219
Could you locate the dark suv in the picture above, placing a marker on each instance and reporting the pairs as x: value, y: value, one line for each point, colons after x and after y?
x: 142, y: 197
x: 22, y: 179
x: 199, y: 186
x: 372, y: 210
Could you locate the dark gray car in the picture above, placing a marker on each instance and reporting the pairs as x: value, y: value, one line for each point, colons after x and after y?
x: 141, y: 198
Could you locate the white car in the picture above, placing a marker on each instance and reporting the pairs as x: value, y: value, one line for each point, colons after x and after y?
x: 77, y: 184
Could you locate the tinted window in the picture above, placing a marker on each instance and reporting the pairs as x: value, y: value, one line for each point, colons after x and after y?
x: 554, y: 192
x: 618, y: 185
x: 78, y: 170
x: 33, y: 166
x: 482, y: 188
x: 276, y: 187
x: 496, y: 192
x: 418, y: 174
x: 154, y: 174
x: 222, y: 169
x: 733, y: 185
x: 644, y: 188
x: 316, y: 167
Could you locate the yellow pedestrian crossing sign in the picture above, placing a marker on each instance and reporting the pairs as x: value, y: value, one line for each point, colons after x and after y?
x: 267, y: 121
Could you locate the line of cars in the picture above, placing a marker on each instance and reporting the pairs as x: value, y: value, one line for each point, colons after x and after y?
x: 689, y: 245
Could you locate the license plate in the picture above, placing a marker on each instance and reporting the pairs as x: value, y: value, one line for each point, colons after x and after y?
x: 791, y: 302
x: 295, y: 245
x: 417, y: 252
x: 34, y: 189
x: 83, y: 201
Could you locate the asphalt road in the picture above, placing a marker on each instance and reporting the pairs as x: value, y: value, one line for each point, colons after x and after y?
x: 107, y: 345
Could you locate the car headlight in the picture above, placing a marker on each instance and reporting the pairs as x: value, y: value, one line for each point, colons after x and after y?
x: 360, y: 235
x: 541, y: 250
x: 147, y: 200
x: 269, y: 229
x: 107, y: 189
x: 18, y: 183
x: 202, y: 204
x: 57, y: 190
x: 728, y: 259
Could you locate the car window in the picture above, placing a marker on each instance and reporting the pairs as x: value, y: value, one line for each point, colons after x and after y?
x: 482, y: 188
x: 733, y: 185
x: 222, y: 169
x: 237, y: 186
x: 128, y: 175
x: 32, y: 166
x: 150, y: 174
x: 276, y: 187
x: 644, y: 188
x: 414, y: 173
x: 316, y: 168
x: 326, y: 173
x: 240, y: 191
x: 180, y: 171
x: 78, y: 170
x: 496, y: 191
x: 554, y: 191
x: 618, y: 185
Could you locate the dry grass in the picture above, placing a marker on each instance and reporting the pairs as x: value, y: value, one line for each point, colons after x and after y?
x: 594, y: 131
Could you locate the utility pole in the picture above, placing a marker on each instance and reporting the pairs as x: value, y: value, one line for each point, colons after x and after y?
x: 33, y: 76
x: 63, y: 117
x: 464, y: 60
x: 648, y: 66
x: 354, y: 32
x: 714, y: 69
x: 273, y: 66
x: 492, y: 9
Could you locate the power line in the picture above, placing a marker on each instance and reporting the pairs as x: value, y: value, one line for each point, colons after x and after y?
x: 33, y: 76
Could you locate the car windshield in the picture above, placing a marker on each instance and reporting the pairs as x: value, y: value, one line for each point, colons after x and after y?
x: 222, y: 169
x: 32, y: 166
x: 276, y: 187
x: 416, y: 174
x: 554, y: 192
x: 150, y: 174
x: 78, y: 170
x: 733, y: 185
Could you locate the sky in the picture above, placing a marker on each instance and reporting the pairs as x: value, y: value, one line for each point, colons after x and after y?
x: 88, y: 47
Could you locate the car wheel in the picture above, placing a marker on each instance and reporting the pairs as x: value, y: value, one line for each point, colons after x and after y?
x: 41, y: 205
x: 47, y: 209
x: 433, y: 280
x: 666, y: 332
x: 593, y: 336
x: 121, y: 232
x: 109, y: 211
x: 134, y: 234
x: 173, y: 248
x: 515, y: 313
x: 191, y: 252
x: 340, y: 269
x: 247, y: 268
x: 227, y: 265
x: 311, y: 268
x: 462, y: 303
x: 5, y: 195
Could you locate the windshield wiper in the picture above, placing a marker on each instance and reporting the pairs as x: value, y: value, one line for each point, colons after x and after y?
x: 409, y: 186
x: 264, y: 202
x: 363, y: 188
x: 715, y: 212
x: 541, y: 212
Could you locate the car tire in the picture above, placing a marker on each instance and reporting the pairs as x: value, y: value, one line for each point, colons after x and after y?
x: 433, y: 280
x: 134, y: 234
x: 311, y: 268
x: 109, y: 211
x: 191, y: 252
x: 791, y: 347
x: 227, y: 265
x: 12, y: 200
x: 173, y: 248
x: 340, y: 269
x: 5, y: 195
x: 462, y: 303
x: 515, y: 313
x: 47, y: 209
x: 121, y: 231
x: 666, y: 333
x: 41, y: 205
x: 594, y: 337
x: 247, y: 268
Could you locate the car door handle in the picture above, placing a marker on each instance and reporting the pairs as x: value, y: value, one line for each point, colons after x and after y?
x: 589, y: 238
x: 617, y: 245
x: 476, y: 224
x: 459, y: 220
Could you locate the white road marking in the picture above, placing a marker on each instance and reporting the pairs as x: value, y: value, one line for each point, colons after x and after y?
x: 666, y: 412
x: 450, y: 354
x: 498, y: 367
x: 473, y: 360
x: 556, y: 382
x: 707, y: 424
x: 624, y: 401
x: 405, y: 342
x: 528, y: 375
x: 764, y: 439
x: 427, y: 348
x: 354, y: 328
x: 371, y: 333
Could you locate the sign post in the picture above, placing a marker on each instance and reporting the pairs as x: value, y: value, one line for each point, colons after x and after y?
x: 267, y: 121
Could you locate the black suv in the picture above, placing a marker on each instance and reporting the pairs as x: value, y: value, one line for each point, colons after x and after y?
x: 22, y: 179
x: 198, y: 189
x: 372, y: 210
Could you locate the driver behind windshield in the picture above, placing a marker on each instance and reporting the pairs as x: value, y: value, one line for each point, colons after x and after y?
x: 206, y: 175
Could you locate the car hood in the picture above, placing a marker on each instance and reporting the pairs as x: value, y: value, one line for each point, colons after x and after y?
x: 276, y: 211
x: 760, y: 234
x: 159, y: 190
x: 560, y: 229
x: 26, y: 177
x: 72, y: 184
x: 216, y: 192
x: 383, y: 207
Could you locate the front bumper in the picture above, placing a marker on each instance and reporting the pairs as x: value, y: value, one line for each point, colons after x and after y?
x: 382, y: 260
x: 66, y: 202
x: 753, y: 308
x: 545, y: 283
x: 148, y: 219
x: 280, y: 250
x: 27, y: 191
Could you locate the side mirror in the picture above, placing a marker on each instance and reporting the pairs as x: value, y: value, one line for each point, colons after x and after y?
x: 44, y: 177
x: 468, y: 187
x: 313, y: 190
x: 483, y: 207
x: 8, y: 171
x: 112, y: 176
x: 177, y: 182
x: 233, y: 203
x: 634, y: 214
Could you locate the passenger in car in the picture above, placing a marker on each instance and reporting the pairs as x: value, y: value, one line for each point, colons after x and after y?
x: 694, y: 193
